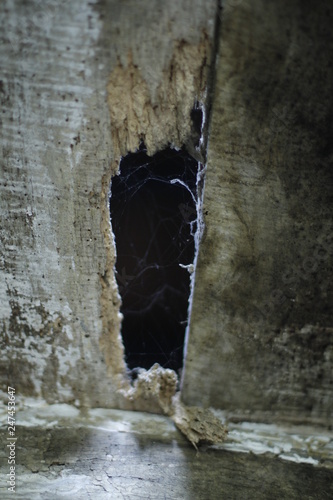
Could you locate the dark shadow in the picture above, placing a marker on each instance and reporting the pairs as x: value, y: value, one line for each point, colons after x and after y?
x: 153, y: 215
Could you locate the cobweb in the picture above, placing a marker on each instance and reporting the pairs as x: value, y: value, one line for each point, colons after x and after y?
x: 153, y: 209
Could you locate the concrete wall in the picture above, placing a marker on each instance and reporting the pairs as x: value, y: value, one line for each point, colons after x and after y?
x: 261, y: 337
x: 80, y: 84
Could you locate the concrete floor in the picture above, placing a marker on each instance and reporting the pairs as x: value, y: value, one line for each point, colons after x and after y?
x: 62, y: 453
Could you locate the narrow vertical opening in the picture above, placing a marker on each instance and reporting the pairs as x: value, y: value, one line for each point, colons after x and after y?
x: 153, y: 210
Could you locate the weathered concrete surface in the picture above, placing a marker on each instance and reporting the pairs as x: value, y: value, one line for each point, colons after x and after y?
x: 56, y: 147
x: 59, y: 305
x: 103, y: 454
x: 261, y: 327
x: 261, y: 336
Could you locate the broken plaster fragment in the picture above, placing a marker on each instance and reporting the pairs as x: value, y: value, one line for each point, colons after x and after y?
x: 158, y: 385
x: 199, y: 425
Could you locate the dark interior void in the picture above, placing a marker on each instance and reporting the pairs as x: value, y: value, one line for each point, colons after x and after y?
x: 153, y: 215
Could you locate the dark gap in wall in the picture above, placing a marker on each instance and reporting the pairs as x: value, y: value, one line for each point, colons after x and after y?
x: 153, y: 215
x: 197, y: 121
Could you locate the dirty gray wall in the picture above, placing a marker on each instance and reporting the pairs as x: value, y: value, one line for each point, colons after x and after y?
x: 68, y: 71
x: 261, y: 336
x: 80, y: 84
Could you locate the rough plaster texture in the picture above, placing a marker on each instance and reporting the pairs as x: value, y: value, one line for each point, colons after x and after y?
x: 261, y: 327
x: 53, y: 157
x: 261, y: 337
x: 164, y: 117
x: 60, y: 145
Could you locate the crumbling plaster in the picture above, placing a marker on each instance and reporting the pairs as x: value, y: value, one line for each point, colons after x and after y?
x: 61, y: 142
x: 260, y: 341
